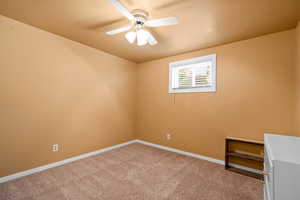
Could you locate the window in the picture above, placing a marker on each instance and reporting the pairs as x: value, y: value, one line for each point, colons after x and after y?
x: 193, y: 75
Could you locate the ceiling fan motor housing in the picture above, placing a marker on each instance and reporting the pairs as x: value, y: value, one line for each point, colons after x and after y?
x: 140, y: 17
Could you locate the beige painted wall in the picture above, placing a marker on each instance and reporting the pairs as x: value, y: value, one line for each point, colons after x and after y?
x: 297, y: 106
x: 254, y: 96
x: 54, y: 90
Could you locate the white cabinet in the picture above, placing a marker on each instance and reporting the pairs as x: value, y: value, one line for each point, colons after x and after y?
x: 282, y: 167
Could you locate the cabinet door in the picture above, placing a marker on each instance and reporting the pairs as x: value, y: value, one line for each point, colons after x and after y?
x: 287, y: 184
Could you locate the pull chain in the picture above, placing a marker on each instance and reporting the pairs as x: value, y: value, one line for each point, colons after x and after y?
x: 174, y: 99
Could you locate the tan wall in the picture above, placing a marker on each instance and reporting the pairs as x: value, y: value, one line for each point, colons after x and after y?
x: 254, y: 96
x: 54, y: 90
x: 297, y: 108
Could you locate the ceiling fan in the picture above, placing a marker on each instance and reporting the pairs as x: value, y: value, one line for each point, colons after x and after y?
x: 139, y: 19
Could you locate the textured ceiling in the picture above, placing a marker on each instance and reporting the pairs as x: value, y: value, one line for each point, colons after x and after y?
x: 202, y: 23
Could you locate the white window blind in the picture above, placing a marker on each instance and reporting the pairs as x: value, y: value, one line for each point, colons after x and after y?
x: 193, y: 75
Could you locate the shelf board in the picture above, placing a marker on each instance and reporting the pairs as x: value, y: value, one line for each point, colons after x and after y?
x: 245, y: 140
x: 246, y: 156
x: 247, y: 173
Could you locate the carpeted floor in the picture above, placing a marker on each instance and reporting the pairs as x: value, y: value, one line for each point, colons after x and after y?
x: 135, y: 172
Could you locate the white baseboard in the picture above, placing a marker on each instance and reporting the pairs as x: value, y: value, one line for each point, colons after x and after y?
x: 62, y: 162
x: 221, y: 162
x: 51, y: 165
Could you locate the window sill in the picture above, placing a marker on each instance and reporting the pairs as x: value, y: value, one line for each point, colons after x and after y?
x: 199, y: 90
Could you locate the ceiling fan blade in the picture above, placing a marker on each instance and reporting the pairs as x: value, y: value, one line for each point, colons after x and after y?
x: 162, y: 22
x: 151, y: 39
x: 119, y: 30
x: 118, y: 5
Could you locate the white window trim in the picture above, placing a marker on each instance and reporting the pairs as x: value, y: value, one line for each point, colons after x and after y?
x: 211, y: 57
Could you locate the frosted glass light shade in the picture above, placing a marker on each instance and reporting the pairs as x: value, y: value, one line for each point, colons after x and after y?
x: 130, y: 36
x: 151, y: 40
x: 142, y: 37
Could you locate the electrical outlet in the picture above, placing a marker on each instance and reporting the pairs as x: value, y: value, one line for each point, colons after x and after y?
x: 55, y: 147
x: 168, y: 136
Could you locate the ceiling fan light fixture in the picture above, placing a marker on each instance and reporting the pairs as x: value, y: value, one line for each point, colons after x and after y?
x: 151, y: 40
x: 142, y: 37
x: 130, y: 36
x: 139, y: 20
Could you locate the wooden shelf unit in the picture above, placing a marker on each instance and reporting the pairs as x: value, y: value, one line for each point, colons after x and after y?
x: 244, y: 156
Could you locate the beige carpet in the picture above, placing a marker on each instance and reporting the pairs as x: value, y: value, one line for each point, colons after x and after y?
x: 134, y: 172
